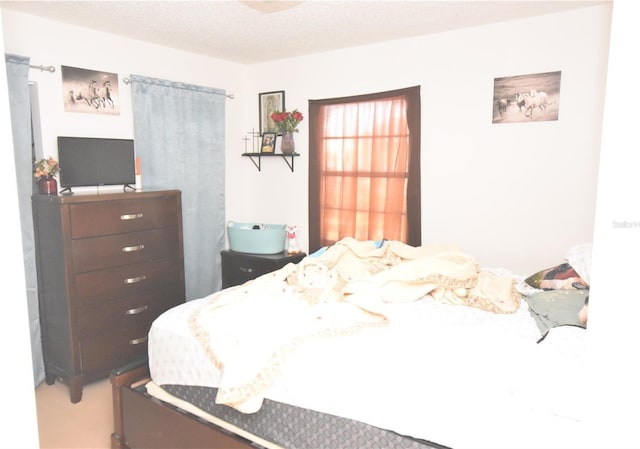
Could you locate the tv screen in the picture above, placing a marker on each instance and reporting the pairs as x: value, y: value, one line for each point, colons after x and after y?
x: 88, y: 161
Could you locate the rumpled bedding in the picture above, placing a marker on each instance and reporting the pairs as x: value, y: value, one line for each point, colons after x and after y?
x: 249, y: 331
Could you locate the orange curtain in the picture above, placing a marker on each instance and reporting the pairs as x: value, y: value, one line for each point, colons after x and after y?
x: 364, y: 161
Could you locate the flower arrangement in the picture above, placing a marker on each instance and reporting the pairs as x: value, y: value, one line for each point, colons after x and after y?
x: 287, y: 122
x: 45, y: 168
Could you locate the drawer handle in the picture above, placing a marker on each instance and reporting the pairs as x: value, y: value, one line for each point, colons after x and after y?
x: 246, y: 270
x: 137, y: 341
x: 131, y: 216
x: 137, y: 310
x: 135, y: 280
x: 130, y: 249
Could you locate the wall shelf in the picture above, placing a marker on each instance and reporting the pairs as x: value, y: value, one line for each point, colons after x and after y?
x: 256, y: 158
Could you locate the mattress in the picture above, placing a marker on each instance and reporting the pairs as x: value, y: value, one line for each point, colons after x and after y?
x: 451, y: 374
x: 278, y: 425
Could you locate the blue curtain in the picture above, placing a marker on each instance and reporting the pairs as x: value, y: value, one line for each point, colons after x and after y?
x: 20, y: 106
x: 179, y: 137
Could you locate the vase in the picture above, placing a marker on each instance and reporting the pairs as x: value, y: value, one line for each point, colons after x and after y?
x: 288, y: 145
x: 47, y: 185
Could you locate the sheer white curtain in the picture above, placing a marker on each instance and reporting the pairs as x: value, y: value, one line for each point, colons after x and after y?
x: 179, y: 137
x: 20, y: 106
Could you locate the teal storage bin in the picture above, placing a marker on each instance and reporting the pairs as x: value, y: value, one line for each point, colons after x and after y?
x: 256, y: 238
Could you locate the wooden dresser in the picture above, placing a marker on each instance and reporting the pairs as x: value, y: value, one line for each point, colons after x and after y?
x: 108, y: 264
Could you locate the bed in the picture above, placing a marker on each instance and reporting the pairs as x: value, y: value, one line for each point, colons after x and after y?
x: 363, y: 344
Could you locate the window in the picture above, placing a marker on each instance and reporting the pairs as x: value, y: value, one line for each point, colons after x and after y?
x: 364, y: 169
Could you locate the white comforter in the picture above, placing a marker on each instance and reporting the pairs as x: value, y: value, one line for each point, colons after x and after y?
x: 451, y: 374
x: 250, y: 331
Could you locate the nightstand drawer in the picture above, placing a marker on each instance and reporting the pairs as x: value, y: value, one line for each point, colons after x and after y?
x: 123, y: 249
x: 128, y: 280
x: 106, y: 316
x: 238, y: 268
x: 113, y: 217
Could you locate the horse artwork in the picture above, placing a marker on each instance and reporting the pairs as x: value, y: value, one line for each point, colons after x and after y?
x: 90, y: 91
x: 107, y: 94
x: 502, y: 106
x: 527, y: 102
x: 526, y: 98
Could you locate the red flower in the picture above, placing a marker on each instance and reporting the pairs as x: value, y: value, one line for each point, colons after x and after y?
x: 287, y: 121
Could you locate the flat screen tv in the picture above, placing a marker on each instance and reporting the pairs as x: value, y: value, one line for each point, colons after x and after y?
x: 89, y: 161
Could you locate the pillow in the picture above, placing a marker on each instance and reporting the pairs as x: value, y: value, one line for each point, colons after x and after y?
x: 561, y: 276
x: 579, y: 257
x: 555, y: 308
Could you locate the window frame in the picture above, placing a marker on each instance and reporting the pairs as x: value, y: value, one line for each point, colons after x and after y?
x: 413, y: 196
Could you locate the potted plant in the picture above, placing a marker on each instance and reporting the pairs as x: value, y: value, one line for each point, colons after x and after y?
x: 287, y: 124
x: 44, y: 171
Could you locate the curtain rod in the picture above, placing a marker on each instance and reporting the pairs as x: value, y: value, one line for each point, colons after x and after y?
x: 42, y: 68
x: 231, y: 96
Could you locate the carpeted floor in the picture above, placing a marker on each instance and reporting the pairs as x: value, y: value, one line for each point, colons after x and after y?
x: 86, y: 425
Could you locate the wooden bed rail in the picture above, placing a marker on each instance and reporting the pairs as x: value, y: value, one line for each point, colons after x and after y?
x: 140, y: 421
x: 124, y: 376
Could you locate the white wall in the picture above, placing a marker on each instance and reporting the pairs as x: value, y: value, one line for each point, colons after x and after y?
x: 614, y: 306
x: 515, y: 196
x: 49, y: 42
x: 512, y: 195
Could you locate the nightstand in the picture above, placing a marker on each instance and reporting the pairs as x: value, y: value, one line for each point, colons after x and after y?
x: 238, y: 268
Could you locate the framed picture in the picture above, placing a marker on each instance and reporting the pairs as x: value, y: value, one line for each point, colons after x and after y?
x: 526, y: 98
x: 90, y: 91
x: 269, y: 102
x: 268, y: 143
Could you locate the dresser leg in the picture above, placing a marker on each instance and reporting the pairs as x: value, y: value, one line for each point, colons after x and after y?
x: 75, y: 388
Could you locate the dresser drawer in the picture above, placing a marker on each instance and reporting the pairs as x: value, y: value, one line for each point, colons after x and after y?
x: 114, y: 217
x: 106, y: 316
x: 100, y: 354
x: 96, y: 253
x: 127, y: 280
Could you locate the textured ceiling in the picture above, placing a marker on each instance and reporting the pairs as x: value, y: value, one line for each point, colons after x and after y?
x: 256, y: 31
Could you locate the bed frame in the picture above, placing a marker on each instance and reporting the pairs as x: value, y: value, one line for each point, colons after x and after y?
x: 141, y: 421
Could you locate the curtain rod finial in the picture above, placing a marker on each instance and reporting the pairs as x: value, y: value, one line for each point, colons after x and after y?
x: 42, y: 68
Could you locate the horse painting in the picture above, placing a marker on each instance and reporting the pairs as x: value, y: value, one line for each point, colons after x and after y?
x: 90, y: 91
x: 91, y: 96
x: 532, y: 100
